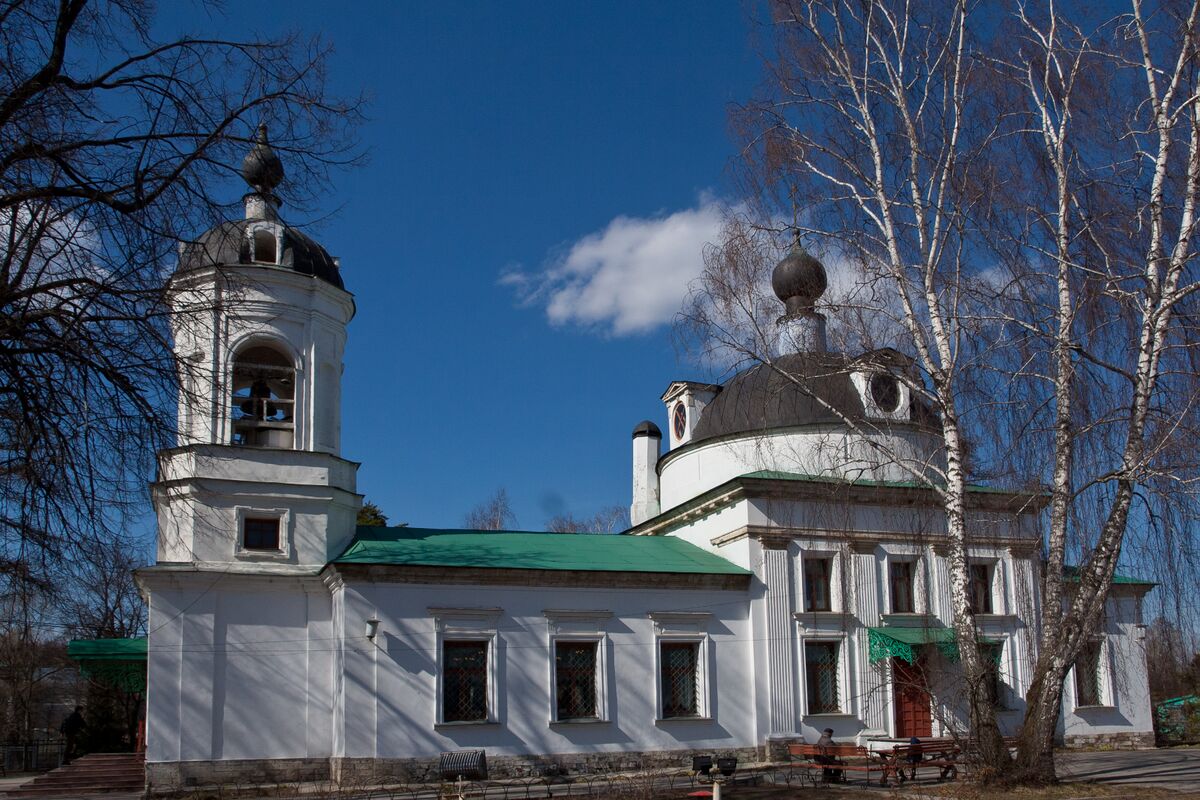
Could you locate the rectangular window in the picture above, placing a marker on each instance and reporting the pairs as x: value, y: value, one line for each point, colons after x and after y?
x: 260, y: 533
x: 679, y: 662
x: 1087, y: 675
x: 900, y: 574
x: 817, y: 584
x: 575, y: 680
x: 979, y: 588
x: 821, y: 673
x: 991, y: 655
x: 464, y: 681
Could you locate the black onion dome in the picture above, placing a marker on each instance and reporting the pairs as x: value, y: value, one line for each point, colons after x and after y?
x: 647, y: 428
x: 227, y: 244
x: 261, y: 168
x: 761, y: 398
x: 798, y: 280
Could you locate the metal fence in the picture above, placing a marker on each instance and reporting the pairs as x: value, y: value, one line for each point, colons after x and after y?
x: 33, y: 756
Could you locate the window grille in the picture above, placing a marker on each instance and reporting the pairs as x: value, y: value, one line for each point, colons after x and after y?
x: 575, y: 679
x: 464, y: 681
x: 979, y: 588
x: 816, y: 584
x: 821, y: 670
x: 679, y: 661
x: 1087, y: 675
x: 901, y: 574
x: 260, y: 533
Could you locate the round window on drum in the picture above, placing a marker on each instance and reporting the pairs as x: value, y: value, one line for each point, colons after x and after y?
x: 885, y: 392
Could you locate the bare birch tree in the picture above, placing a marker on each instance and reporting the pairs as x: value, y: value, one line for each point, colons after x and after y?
x: 1013, y: 194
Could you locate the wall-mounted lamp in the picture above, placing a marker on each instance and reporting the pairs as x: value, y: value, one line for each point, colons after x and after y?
x: 372, y: 629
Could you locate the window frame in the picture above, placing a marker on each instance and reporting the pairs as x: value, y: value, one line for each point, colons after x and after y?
x: 830, y: 594
x: 999, y: 688
x: 990, y: 567
x: 1103, y: 689
x: 839, y: 670
x: 283, y: 552
x: 575, y: 626
x: 466, y: 624
x: 275, y: 231
x: 912, y: 564
x: 680, y: 627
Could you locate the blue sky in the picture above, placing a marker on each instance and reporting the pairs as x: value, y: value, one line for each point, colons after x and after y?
x: 541, y: 180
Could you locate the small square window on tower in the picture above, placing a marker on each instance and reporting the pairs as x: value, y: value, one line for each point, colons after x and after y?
x: 262, y: 533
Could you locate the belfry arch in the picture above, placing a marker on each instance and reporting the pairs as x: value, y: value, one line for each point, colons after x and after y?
x: 263, y: 397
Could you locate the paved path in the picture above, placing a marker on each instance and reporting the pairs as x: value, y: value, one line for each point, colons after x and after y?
x: 1175, y: 767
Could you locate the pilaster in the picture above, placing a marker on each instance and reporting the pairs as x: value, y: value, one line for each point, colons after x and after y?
x: 780, y: 639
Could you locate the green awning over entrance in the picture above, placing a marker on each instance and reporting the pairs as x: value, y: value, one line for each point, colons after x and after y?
x: 902, y: 643
x: 121, y: 662
x: 107, y: 649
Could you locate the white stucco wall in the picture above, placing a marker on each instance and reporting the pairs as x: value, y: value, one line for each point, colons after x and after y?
x: 391, y: 685
x: 238, y: 668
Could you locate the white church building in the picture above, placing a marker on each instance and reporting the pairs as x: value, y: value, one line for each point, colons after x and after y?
x: 780, y: 577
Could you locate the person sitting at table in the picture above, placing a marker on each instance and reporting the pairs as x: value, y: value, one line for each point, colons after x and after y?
x: 825, y: 757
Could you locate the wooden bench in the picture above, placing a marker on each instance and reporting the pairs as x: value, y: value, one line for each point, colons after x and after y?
x: 946, y: 755
x: 846, y: 758
x: 942, y: 755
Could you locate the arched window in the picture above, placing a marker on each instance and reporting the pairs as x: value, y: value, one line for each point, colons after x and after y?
x: 264, y: 246
x: 263, y: 398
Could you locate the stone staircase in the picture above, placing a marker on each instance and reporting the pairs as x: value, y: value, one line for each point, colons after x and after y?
x: 90, y: 774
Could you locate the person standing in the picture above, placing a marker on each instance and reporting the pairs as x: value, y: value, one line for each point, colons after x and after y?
x: 71, y: 728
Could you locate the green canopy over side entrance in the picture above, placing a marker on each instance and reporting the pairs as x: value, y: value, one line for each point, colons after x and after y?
x: 902, y: 643
x: 121, y: 662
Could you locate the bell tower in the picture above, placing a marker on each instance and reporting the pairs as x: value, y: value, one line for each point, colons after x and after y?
x: 259, y: 316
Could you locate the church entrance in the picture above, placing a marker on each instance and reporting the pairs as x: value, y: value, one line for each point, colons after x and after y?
x: 913, y: 714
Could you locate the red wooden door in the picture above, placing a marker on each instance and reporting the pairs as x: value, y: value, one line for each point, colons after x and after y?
x: 913, y: 714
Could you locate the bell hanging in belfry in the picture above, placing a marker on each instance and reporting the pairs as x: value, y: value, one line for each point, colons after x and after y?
x: 259, y: 405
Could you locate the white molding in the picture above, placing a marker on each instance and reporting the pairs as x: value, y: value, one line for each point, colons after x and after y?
x: 284, y: 551
x: 845, y: 696
x: 467, y: 624
x: 680, y: 623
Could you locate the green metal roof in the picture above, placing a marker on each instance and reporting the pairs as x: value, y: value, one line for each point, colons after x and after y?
x: 107, y: 649
x: 1071, y: 573
x: 433, y: 547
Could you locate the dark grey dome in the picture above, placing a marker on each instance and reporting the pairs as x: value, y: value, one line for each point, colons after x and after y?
x: 647, y: 428
x: 761, y: 398
x: 798, y: 280
x: 261, y: 168
x: 227, y: 244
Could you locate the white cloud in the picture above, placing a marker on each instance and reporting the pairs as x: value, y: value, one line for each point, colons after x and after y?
x: 630, y: 277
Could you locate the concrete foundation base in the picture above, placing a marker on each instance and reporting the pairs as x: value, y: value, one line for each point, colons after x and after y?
x: 1112, y: 741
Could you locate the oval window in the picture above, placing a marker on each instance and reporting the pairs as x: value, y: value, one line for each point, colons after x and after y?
x: 885, y: 391
x: 679, y: 420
